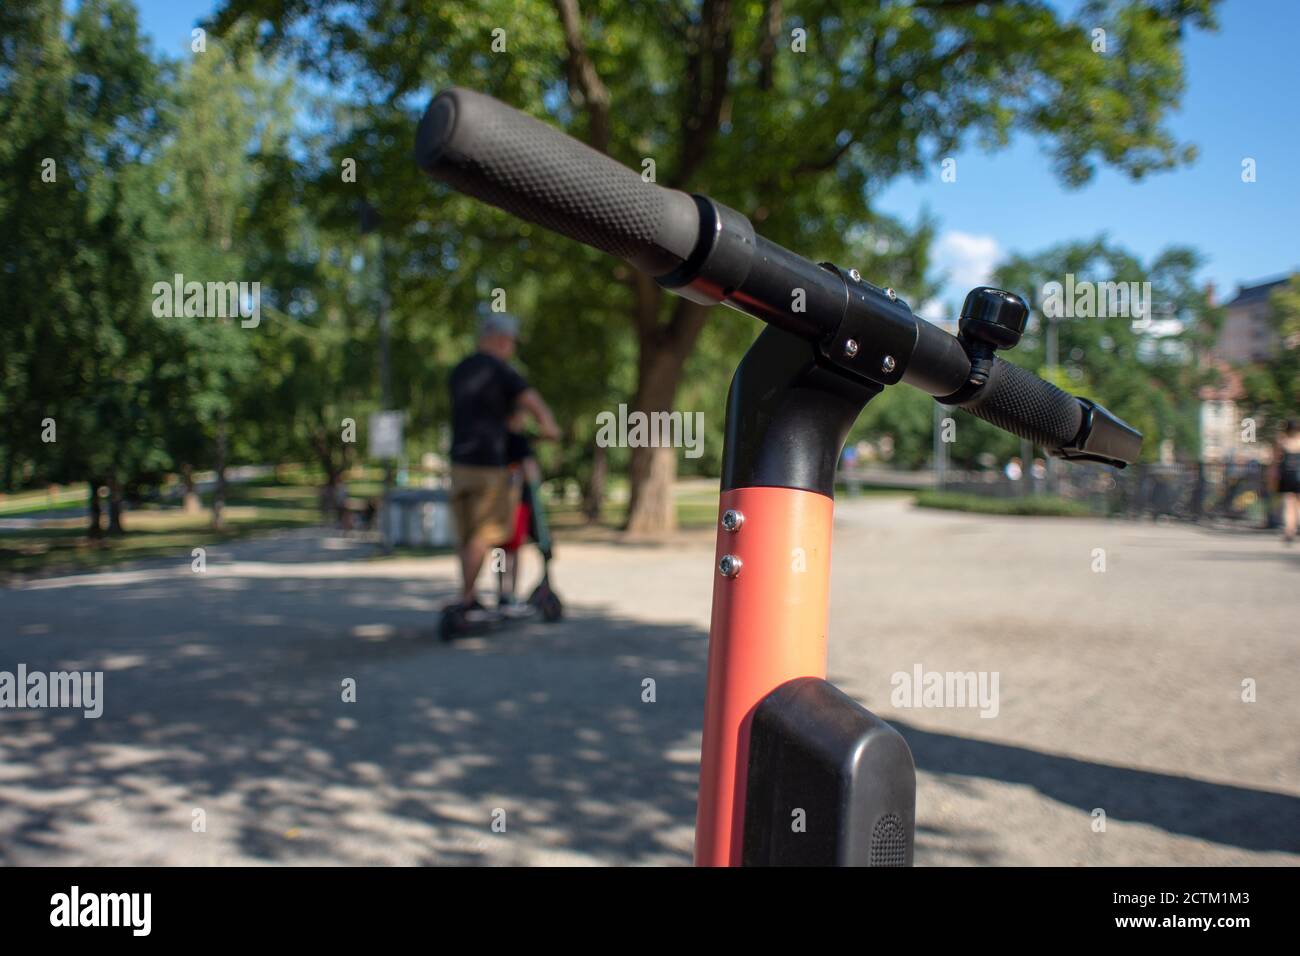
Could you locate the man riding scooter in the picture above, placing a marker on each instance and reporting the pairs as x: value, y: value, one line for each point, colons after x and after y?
x: 485, y: 391
x: 525, y: 474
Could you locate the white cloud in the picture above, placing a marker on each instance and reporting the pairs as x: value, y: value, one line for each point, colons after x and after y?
x: 934, y: 310
x: 966, y: 259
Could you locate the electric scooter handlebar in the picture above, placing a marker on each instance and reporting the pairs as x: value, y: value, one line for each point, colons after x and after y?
x: 495, y: 153
x: 709, y: 253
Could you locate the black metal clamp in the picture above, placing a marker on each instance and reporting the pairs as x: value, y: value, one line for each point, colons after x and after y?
x: 876, y: 334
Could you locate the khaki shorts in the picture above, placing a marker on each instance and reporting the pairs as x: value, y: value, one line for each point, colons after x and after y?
x: 483, y: 501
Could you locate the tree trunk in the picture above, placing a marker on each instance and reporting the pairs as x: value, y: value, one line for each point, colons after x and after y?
x: 653, y: 474
x: 115, y: 508
x: 10, y: 457
x: 663, y: 348
x: 330, y: 496
x: 96, y: 511
x: 593, y: 499
x: 219, y: 493
x: 663, y: 352
x: 190, y: 501
x: 325, y: 458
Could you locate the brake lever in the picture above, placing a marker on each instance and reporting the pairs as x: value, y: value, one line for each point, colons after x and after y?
x: 1102, y: 438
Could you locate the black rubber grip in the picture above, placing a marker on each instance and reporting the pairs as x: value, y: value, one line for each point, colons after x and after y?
x: 1022, y: 403
x: 493, y: 152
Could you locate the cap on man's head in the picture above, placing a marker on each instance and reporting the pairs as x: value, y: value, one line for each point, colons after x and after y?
x: 498, y: 323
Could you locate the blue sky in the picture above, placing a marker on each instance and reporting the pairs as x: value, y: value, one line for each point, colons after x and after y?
x: 1242, y: 100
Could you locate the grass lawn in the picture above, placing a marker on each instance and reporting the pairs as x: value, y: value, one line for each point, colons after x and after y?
x: 1037, y: 506
x: 264, y: 504
x: 154, y: 531
x: 28, y: 502
x: 697, y: 507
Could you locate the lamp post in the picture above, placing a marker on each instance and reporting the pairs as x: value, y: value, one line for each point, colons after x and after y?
x: 370, y: 220
x: 1051, y: 345
x: 370, y: 224
x: 941, y: 412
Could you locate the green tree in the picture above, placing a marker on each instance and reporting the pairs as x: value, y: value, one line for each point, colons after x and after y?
x: 1141, y: 368
x: 1273, y: 387
x: 794, y: 113
x: 1144, y: 370
x: 229, y: 123
x: 78, y: 122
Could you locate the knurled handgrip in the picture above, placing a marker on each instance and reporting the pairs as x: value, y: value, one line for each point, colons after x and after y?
x: 1022, y: 403
x: 493, y: 152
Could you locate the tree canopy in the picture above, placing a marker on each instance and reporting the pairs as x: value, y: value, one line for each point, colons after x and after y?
x: 796, y: 114
x: 253, y: 158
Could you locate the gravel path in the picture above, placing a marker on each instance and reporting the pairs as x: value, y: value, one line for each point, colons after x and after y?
x: 1118, y: 691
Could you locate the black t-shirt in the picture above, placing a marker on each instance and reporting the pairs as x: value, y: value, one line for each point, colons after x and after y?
x: 483, y: 394
x: 518, y: 447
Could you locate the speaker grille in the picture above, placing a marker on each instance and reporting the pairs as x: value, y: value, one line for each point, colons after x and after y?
x: 888, y: 842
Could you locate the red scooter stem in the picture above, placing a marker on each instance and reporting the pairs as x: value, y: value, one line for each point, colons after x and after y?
x: 768, y: 627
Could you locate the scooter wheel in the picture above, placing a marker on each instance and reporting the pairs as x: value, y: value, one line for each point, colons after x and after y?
x: 447, y: 627
x: 552, y: 608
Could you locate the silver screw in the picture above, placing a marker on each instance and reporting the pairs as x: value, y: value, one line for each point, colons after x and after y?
x: 851, y: 347
x: 732, y: 520
x: 729, y: 565
x: 893, y: 296
x: 855, y: 275
x: 887, y: 363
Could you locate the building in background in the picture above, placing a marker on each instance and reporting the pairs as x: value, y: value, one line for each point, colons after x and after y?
x: 1246, y: 334
x: 1245, y: 337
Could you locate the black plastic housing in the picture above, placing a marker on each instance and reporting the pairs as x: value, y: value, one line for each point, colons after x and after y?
x: 814, y: 749
x: 788, y: 415
x: 1103, y: 438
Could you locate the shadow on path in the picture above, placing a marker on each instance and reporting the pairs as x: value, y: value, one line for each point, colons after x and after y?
x: 223, y: 691
x: 1220, y: 813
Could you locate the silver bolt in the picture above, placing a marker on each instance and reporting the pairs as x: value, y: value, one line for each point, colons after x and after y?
x: 855, y: 275
x: 729, y: 565
x: 851, y: 347
x: 893, y: 296
x: 887, y: 363
x: 732, y: 520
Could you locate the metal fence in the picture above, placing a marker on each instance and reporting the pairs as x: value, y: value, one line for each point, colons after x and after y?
x: 1237, y: 494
